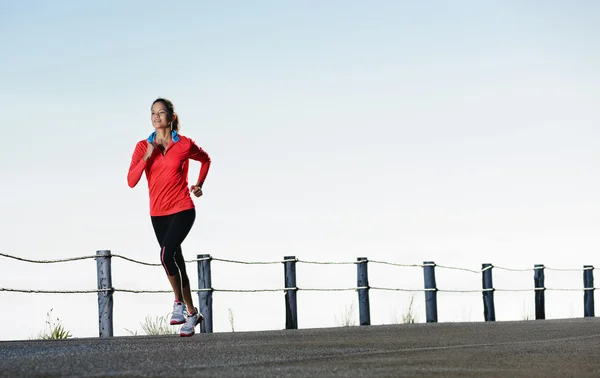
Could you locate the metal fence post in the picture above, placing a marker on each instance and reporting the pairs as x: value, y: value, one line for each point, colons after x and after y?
x: 588, y: 294
x: 205, y: 293
x: 430, y: 292
x: 105, y: 293
x: 538, y: 279
x: 363, y: 292
x: 489, y: 312
x: 291, y: 306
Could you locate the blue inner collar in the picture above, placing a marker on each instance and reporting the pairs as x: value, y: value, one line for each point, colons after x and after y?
x: 174, y: 136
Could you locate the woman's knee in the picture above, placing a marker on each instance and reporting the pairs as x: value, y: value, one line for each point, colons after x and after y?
x: 167, y: 258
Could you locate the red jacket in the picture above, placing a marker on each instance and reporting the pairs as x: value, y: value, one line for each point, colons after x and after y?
x: 167, y: 174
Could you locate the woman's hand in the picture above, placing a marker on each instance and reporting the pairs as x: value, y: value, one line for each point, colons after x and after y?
x: 196, y: 189
x: 149, y: 151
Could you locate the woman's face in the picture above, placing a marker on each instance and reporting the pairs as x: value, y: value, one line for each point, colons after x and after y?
x: 159, y: 116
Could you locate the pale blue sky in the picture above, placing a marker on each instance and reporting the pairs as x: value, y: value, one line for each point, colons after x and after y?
x: 461, y: 132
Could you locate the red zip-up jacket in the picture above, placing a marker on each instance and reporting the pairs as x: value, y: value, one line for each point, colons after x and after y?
x: 167, y: 174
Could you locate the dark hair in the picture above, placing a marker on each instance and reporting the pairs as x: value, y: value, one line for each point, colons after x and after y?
x: 170, y: 112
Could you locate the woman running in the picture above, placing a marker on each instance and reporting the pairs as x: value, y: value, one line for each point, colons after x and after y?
x: 164, y: 157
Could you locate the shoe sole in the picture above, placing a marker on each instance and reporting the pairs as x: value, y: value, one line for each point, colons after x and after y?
x: 175, y: 322
x: 200, y: 319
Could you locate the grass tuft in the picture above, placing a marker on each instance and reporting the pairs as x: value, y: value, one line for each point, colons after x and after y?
x: 54, y: 330
x: 158, y: 325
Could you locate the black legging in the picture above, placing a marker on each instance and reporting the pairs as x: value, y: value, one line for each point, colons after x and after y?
x: 171, y: 231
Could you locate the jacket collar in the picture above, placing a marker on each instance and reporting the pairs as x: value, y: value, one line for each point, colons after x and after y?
x: 174, y: 137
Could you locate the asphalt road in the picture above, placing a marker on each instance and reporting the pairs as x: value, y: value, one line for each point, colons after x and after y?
x: 540, y: 348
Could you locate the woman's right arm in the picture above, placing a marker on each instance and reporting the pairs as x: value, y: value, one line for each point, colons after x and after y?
x: 137, y: 165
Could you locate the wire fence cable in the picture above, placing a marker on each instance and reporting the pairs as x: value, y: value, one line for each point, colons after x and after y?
x: 231, y: 261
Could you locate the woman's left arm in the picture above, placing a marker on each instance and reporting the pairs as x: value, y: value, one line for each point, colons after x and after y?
x: 198, y: 154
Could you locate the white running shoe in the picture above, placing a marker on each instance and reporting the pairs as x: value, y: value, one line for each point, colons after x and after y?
x: 179, y: 313
x: 189, y: 328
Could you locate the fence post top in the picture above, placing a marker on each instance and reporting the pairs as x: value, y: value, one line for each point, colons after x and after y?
x: 103, y: 252
x: 203, y: 256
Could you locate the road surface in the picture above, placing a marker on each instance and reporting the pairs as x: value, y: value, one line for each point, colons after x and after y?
x: 537, y: 348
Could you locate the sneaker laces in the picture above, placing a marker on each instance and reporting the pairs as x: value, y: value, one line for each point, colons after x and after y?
x: 179, y: 307
x: 190, y: 321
